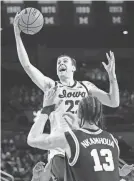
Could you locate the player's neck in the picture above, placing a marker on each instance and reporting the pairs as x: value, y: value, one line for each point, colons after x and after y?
x: 90, y: 126
x: 67, y: 81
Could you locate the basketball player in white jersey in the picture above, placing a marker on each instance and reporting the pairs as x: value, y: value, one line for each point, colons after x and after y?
x: 66, y: 66
x: 71, y: 91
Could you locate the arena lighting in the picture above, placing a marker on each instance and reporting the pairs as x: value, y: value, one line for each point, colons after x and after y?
x: 115, y: 2
x: 125, y: 32
x: 12, y: 2
x: 46, y: 2
x: 82, y: 2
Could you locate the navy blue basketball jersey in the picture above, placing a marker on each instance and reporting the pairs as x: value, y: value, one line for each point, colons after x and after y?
x: 94, y: 156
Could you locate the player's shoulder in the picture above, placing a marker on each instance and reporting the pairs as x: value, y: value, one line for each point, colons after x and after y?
x: 110, y: 135
x: 114, y: 138
x: 78, y: 133
x: 88, y: 84
x: 58, y: 83
x: 106, y: 133
x: 74, y: 131
x: 49, y: 88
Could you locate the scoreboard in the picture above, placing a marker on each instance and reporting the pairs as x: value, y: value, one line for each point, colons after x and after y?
x: 117, y: 12
x: 84, y: 13
x: 49, y: 9
x: 9, y: 10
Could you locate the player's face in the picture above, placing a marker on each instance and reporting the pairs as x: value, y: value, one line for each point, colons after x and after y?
x: 65, y: 68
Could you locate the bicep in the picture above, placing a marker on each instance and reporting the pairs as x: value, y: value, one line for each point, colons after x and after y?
x: 100, y: 94
x: 38, y: 78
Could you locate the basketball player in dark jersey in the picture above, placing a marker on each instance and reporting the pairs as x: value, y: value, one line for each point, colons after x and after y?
x: 71, y: 91
x: 91, y: 153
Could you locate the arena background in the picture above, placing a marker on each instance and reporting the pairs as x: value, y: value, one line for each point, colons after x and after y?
x: 84, y: 30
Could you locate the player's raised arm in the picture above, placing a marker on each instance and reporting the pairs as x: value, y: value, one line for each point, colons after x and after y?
x: 37, y: 77
x: 111, y: 99
x: 36, y: 138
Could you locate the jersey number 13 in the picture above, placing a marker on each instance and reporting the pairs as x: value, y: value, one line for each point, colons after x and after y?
x: 108, y: 165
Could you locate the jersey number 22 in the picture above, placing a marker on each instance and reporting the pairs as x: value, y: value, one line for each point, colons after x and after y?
x: 73, y: 106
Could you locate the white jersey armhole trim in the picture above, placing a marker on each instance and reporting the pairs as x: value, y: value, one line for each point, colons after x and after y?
x: 89, y: 85
x: 116, y: 143
x: 77, y: 152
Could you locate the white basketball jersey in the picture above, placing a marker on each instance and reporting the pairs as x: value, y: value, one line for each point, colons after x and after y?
x: 71, y: 95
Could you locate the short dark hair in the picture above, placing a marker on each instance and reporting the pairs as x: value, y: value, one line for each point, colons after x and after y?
x: 72, y: 59
x: 90, y: 109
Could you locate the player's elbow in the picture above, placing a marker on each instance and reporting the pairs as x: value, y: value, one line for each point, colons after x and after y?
x: 31, y: 142
x: 115, y: 103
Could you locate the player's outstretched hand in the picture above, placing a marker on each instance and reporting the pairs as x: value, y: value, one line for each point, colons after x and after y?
x: 52, y: 98
x: 15, y: 24
x: 126, y: 169
x: 38, y: 169
x: 110, y: 67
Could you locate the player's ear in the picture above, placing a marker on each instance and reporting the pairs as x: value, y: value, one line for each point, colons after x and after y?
x: 74, y: 68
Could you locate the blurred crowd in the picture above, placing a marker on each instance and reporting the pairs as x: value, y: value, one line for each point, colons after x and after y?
x: 19, y: 103
x: 20, y: 162
x: 126, y: 98
x: 24, y: 97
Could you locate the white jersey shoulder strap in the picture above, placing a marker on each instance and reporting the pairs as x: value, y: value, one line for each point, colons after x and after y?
x: 82, y: 83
